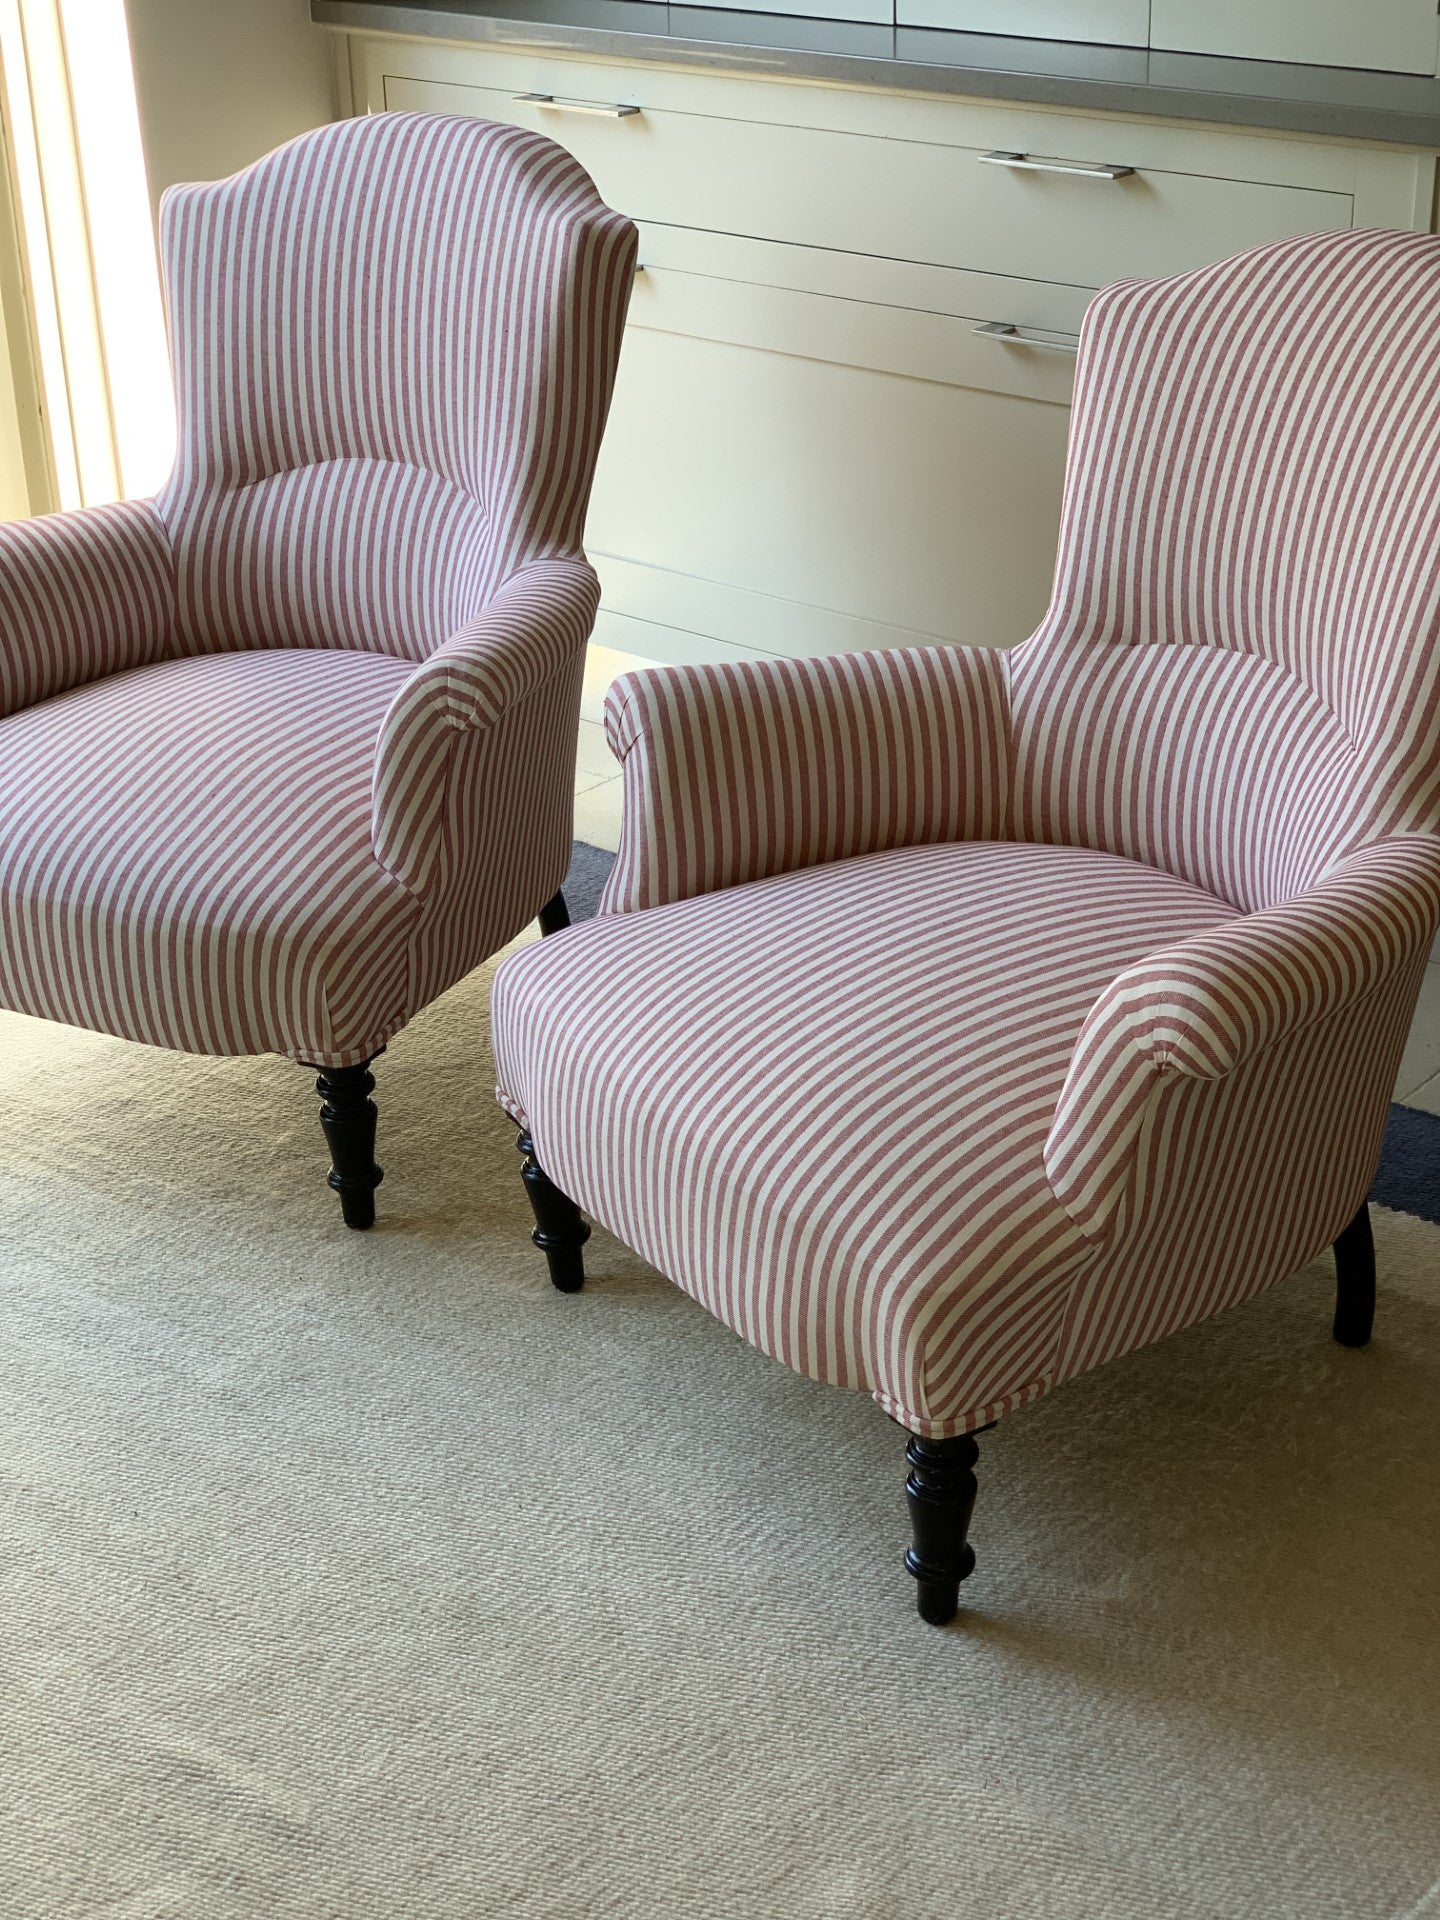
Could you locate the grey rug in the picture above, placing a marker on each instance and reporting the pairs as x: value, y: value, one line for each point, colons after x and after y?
x: 366, y: 1578
x: 585, y: 882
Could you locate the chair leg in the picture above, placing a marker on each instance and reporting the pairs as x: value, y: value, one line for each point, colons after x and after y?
x: 554, y: 915
x: 941, y: 1495
x: 560, y: 1228
x: 1355, y: 1281
x: 348, y: 1115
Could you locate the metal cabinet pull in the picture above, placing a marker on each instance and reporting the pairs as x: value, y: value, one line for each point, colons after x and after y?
x: 1009, y: 336
x: 1033, y: 163
x: 605, y: 109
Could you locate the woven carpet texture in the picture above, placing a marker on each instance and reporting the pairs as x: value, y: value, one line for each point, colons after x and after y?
x: 366, y: 1578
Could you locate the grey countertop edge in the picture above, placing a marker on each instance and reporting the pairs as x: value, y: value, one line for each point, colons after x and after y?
x: 1301, y: 112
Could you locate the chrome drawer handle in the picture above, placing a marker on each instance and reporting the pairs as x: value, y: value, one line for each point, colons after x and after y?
x: 603, y: 108
x: 1032, y: 163
x: 1009, y: 336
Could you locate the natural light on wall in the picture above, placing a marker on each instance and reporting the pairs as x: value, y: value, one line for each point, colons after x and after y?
x: 88, y: 247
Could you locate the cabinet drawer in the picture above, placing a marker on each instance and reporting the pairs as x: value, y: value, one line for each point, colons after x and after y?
x: 1016, y: 337
x: 951, y: 205
x: 1400, y: 36
x: 1115, y: 23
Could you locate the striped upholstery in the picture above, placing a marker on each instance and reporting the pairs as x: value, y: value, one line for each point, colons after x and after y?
x: 994, y: 1015
x: 394, y: 342
x: 286, y: 936
x: 884, y: 1011
x: 81, y: 595
x: 1254, y: 474
x: 735, y: 772
x: 394, y: 345
x: 1202, y: 1012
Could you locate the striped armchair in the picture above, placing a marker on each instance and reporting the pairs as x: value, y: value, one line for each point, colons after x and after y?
x: 956, y: 1020
x: 290, y: 748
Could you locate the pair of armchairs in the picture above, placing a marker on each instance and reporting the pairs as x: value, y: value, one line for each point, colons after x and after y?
x: 290, y: 748
x: 956, y: 1021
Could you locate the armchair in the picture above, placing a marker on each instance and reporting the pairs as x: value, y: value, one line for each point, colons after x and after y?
x: 956, y: 1021
x: 289, y: 749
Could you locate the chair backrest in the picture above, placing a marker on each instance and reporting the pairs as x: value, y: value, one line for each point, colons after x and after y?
x: 1237, y: 678
x: 394, y: 343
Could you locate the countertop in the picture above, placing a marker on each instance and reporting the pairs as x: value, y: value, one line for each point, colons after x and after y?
x: 1335, y: 102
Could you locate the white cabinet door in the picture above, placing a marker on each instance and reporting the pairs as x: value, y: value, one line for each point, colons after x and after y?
x: 1399, y: 36
x: 1115, y: 23
x: 768, y: 502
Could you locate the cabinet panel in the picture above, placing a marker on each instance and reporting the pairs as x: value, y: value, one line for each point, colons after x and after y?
x: 903, y: 199
x: 1116, y: 23
x: 802, y: 485
x: 1399, y: 36
x: 1006, y: 344
x: 877, y: 12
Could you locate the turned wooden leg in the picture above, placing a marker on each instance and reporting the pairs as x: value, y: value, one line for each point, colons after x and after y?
x: 560, y: 1228
x: 941, y: 1495
x: 554, y: 915
x: 1355, y: 1281
x: 347, y: 1114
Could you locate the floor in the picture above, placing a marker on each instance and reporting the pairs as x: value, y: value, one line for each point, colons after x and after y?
x: 365, y: 1575
x: 597, y: 820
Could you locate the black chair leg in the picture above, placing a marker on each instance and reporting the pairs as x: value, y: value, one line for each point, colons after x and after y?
x: 348, y: 1115
x: 941, y: 1496
x: 554, y: 915
x: 1355, y: 1281
x: 561, y: 1230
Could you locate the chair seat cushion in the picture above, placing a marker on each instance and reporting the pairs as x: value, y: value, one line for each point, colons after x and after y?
x: 185, y: 857
x: 819, y: 1103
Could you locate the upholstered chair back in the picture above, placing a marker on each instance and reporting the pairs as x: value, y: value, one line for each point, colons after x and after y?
x: 393, y: 342
x: 1237, y: 678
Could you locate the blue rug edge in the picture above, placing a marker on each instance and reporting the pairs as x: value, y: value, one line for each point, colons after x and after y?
x: 1408, y: 1177
x: 585, y: 881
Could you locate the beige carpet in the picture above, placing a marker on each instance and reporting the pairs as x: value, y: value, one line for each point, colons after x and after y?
x: 367, y: 1577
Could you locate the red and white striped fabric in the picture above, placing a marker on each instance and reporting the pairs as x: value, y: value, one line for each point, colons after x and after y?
x: 1096, y: 1036
x: 81, y: 595
x: 735, y: 772
x: 1237, y: 676
x: 265, y: 923
x: 821, y: 1101
x: 395, y: 341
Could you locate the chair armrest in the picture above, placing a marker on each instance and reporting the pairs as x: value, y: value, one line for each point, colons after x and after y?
x: 82, y: 595
x: 736, y: 772
x: 531, y: 631
x: 1206, y: 1006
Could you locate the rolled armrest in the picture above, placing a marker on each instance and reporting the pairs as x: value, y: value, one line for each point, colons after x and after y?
x: 82, y: 595
x: 736, y: 772
x: 1204, y: 1007
x: 532, y: 630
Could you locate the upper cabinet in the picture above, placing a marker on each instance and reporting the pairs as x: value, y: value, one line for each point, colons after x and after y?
x: 1396, y: 36
x: 876, y: 12
x: 1116, y: 23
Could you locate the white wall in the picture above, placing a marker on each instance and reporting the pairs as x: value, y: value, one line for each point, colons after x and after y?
x: 220, y: 82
